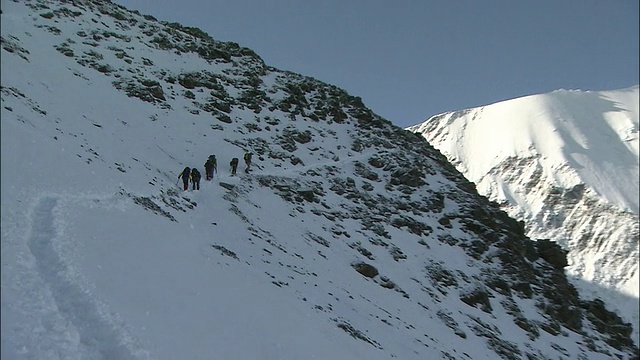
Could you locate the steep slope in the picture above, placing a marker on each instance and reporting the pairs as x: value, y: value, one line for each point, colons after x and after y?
x: 350, y: 238
x: 566, y: 163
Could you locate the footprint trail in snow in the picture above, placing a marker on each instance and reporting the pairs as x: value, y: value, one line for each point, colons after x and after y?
x: 100, y: 336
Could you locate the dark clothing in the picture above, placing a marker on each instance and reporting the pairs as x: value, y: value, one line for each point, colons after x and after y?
x: 210, y: 167
x: 195, y: 179
x: 208, y: 170
x: 214, y: 162
x: 185, y: 173
x: 185, y: 177
x: 247, y: 161
x: 234, y: 165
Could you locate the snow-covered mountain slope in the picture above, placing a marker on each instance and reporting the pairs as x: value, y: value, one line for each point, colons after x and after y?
x: 566, y: 163
x: 349, y: 239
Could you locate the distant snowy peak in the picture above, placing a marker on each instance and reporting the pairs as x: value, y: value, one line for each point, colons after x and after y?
x: 576, y: 137
x: 565, y: 163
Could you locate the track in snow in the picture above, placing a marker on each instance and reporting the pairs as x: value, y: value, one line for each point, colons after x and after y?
x: 99, y: 337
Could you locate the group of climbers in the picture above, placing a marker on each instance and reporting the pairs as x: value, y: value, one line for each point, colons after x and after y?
x: 210, y: 168
x: 189, y: 174
x: 234, y: 163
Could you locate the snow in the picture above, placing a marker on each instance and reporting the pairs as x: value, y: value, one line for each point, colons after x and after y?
x: 90, y: 273
x: 566, y: 138
x: 596, y: 133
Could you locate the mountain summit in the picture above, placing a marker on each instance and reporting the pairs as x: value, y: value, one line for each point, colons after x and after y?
x: 348, y: 238
x: 566, y: 163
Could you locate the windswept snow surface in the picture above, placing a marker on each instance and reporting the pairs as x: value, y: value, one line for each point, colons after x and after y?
x: 595, y: 134
x: 105, y: 257
x: 567, y: 164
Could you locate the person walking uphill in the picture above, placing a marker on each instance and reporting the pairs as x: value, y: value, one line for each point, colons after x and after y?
x: 185, y: 177
x: 247, y: 161
x: 195, y: 178
x: 210, y: 167
x: 234, y: 165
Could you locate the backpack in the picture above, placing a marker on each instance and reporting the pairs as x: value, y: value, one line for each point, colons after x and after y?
x: 234, y: 161
x: 185, y: 173
x: 195, y: 174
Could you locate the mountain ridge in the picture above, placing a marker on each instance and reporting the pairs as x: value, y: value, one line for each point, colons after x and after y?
x: 566, y: 163
x: 350, y: 237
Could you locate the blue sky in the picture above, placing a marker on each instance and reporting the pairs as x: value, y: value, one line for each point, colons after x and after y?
x: 409, y: 60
